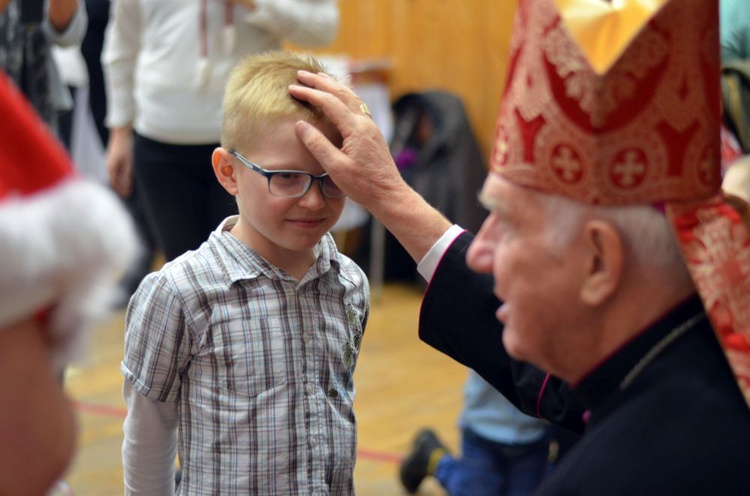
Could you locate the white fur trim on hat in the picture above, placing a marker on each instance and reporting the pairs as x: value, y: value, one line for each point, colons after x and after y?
x: 63, y: 249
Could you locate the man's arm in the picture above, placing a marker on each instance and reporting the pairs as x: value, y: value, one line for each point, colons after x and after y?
x: 122, y: 46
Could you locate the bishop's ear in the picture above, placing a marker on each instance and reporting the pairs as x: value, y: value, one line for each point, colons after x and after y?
x: 223, y: 165
x: 605, y: 251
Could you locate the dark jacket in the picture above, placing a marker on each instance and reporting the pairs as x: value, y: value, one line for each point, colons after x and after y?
x: 680, y: 427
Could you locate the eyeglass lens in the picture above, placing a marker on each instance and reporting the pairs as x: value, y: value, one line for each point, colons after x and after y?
x: 292, y: 184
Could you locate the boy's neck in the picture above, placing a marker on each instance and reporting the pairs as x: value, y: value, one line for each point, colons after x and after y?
x: 294, y: 263
x: 296, y: 266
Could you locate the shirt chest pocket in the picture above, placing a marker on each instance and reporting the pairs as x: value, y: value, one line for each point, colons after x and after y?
x: 252, y: 356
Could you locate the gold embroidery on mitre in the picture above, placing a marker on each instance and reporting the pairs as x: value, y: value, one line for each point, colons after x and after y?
x: 600, y: 96
x: 604, y: 29
x: 567, y: 164
x: 500, y: 150
x: 628, y: 169
x: 642, y: 131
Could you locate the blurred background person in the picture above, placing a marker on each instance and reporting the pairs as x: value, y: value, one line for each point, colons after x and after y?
x: 28, y: 28
x: 503, y: 452
x: 85, y: 134
x: 734, y: 29
x: 166, y: 63
x: 734, y: 16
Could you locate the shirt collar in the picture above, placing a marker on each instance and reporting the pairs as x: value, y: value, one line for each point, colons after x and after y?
x: 241, y: 262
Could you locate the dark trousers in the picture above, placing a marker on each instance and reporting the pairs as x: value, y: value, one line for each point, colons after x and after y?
x: 91, y: 49
x: 184, y: 201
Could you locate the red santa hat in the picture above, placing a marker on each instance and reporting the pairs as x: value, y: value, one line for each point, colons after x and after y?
x: 64, y: 240
x: 618, y: 103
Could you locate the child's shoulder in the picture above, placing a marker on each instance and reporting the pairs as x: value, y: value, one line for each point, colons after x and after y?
x: 190, y: 277
x: 347, y: 263
x: 350, y: 270
x: 192, y: 264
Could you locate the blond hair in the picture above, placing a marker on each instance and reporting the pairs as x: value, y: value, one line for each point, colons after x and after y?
x: 257, y: 94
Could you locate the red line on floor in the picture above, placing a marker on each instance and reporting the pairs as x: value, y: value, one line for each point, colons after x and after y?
x: 101, y: 410
x: 120, y: 412
x: 378, y: 456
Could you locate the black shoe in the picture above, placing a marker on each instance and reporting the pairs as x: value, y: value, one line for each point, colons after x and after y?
x: 416, y: 465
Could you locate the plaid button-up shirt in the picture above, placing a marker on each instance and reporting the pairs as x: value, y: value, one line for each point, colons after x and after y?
x: 260, y: 366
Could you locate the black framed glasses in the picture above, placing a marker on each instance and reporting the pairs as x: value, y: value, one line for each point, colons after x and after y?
x: 292, y: 183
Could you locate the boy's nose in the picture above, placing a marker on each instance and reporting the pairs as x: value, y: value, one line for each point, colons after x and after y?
x: 314, y: 198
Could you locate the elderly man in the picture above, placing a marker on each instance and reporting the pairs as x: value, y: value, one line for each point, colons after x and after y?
x: 617, y: 267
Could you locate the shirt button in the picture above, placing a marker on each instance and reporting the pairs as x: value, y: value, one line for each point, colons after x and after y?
x: 309, y: 389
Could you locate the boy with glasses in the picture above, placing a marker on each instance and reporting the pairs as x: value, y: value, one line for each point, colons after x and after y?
x: 239, y: 356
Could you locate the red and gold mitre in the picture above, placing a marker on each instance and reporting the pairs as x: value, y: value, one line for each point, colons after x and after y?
x: 618, y: 103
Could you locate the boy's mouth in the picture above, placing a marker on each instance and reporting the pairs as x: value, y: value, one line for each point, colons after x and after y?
x: 306, y: 223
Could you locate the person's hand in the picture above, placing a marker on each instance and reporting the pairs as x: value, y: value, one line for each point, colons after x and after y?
x: 363, y: 168
x: 120, y: 161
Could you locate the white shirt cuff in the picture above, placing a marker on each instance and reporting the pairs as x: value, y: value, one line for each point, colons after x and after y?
x: 430, y: 261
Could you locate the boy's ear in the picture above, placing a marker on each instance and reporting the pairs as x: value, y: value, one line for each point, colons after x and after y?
x: 224, y: 170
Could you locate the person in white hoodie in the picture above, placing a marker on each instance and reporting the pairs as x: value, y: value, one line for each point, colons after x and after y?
x: 166, y: 63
